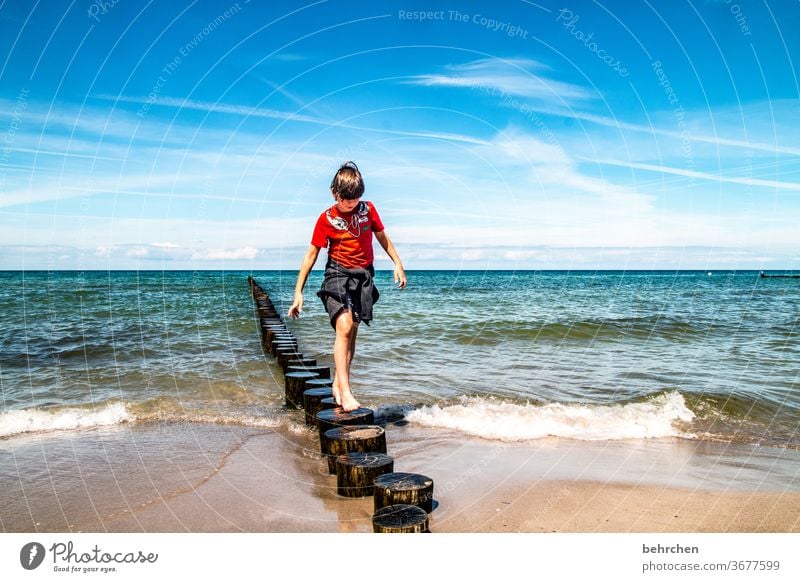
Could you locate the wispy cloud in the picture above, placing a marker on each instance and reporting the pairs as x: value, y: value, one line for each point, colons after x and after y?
x: 209, y: 107
x: 713, y: 177
x: 526, y: 78
x: 431, y: 256
x: 240, y: 254
x: 724, y: 122
x: 547, y: 168
x: 248, y: 111
x: 581, y: 256
x: 173, y: 252
x: 66, y: 187
x: 138, y: 252
x: 691, y: 136
x: 517, y: 77
x: 63, y: 154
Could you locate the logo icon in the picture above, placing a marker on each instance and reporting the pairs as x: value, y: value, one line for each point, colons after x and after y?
x: 31, y: 556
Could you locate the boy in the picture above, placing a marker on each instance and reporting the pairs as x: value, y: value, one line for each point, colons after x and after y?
x: 348, y: 291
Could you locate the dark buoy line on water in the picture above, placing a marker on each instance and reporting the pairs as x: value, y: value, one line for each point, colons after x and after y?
x: 764, y: 275
x: 352, y: 445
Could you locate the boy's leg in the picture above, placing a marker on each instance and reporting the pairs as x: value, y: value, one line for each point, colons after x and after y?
x: 352, y: 351
x: 343, y: 350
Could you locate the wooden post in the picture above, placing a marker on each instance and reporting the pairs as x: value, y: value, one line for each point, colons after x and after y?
x: 400, y: 519
x: 356, y: 472
x: 300, y: 365
x: 327, y: 404
x: 283, y: 340
x: 361, y: 438
x: 319, y: 383
x: 312, y: 400
x: 404, y: 488
x: 279, y: 335
x: 265, y: 334
x: 274, y: 333
x: 267, y: 312
x: 285, y: 346
x: 336, y: 417
x: 282, y: 344
x: 271, y: 329
x: 294, y: 387
x: 287, y: 351
x: 323, y: 371
x: 285, y: 356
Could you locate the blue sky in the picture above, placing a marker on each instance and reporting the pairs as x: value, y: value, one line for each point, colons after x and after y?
x: 514, y: 135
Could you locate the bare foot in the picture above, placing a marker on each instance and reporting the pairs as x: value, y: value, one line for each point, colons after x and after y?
x: 337, y: 394
x: 349, y: 402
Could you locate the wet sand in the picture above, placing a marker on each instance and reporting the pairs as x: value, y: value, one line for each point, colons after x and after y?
x: 208, y: 478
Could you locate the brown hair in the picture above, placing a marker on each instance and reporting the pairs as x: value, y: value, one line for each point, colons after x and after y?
x: 347, y: 183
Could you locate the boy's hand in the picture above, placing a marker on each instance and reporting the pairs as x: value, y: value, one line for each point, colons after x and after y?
x: 400, y: 277
x: 297, y: 307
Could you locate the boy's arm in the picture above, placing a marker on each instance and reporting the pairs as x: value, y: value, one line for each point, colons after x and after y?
x: 399, y: 272
x: 305, y: 268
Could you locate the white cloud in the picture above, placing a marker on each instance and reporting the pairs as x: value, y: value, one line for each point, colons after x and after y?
x: 764, y: 126
x: 501, y: 77
x: 138, y: 252
x: 246, y: 253
x: 716, y: 177
x: 454, y: 256
x: 79, y: 185
x: 514, y: 146
x: 207, y: 106
x: 532, y: 167
x: 593, y: 257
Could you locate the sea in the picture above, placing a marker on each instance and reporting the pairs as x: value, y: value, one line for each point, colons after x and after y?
x: 505, y: 356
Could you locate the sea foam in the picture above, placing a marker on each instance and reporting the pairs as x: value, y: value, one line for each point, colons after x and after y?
x: 507, y: 421
x: 37, y: 420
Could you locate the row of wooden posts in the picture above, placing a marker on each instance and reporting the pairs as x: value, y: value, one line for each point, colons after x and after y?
x: 353, y: 446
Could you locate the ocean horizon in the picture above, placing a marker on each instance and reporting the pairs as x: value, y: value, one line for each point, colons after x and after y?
x: 389, y: 269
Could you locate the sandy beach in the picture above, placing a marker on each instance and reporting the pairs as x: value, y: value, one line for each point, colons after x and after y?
x: 187, y: 477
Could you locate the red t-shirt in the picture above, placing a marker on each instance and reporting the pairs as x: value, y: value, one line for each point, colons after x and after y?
x: 348, y: 236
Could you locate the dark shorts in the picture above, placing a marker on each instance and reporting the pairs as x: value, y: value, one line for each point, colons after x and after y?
x: 348, y: 289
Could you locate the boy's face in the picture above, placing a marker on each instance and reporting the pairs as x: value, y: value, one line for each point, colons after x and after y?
x: 345, y: 206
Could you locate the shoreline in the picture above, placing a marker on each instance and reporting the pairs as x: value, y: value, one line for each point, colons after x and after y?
x: 188, y: 477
